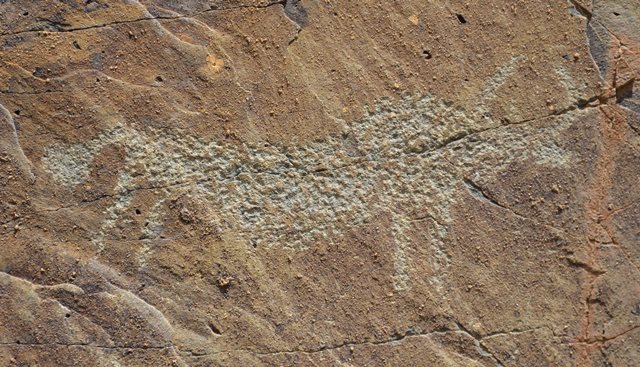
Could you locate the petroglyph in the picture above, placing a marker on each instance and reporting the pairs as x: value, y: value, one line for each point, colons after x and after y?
x: 399, y: 159
x: 389, y: 162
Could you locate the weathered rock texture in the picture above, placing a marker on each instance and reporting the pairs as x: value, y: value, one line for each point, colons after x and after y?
x: 319, y: 183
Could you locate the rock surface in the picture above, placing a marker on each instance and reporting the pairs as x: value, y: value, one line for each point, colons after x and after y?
x: 319, y: 183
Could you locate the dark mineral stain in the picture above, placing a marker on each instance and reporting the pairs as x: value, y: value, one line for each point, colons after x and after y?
x: 40, y: 72
x: 96, y: 61
x: 294, y: 11
x: 12, y: 41
x: 625, y: 91
x: 598, y: 47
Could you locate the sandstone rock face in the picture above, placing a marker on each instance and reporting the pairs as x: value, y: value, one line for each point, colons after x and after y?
x: 319, y: 183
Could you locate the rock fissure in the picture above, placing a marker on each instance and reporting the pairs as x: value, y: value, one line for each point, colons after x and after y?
x: 62, y: 27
